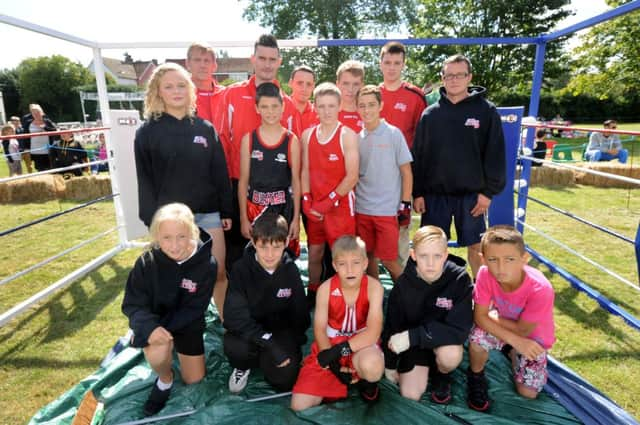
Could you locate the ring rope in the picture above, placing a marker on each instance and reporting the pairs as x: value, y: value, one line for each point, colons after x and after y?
x: 55, y: 257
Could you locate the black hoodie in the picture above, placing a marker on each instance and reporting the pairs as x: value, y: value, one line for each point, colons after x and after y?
x: 258, y: 302
x: 458, y: 148
x: 435, y: 314
x: 161, y: 292
x: 181, y: 161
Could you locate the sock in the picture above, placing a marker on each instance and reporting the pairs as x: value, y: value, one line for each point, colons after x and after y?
x: 163, y: 386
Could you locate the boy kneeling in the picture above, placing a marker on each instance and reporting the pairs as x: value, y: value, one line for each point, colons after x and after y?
x: 513, y: 312
x: 429, y: 315
x: 347, y: 325
x: 265, y: 309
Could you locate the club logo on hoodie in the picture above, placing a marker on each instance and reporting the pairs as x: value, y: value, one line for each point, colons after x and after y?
x: 189, y: 285
x: 200, y: 140
x: 284, y: 293
x: 445, y: 303
x: 472, y: 122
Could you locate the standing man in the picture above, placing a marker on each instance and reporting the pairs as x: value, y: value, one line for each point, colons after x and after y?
x: 403, y: 104
x: 241, y: 117
x: 349, y: 79
x: 302, y: 83
x: 201, y: 63
x: 459, y: 158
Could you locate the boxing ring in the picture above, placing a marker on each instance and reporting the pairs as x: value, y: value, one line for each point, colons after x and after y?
x: 505, y: 208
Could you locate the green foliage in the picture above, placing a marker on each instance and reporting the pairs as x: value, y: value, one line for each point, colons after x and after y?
x: 52, y: 82
x: 329, y: 20
x: 500, y: 68
x: 9, y: 86
x: 608, y: 58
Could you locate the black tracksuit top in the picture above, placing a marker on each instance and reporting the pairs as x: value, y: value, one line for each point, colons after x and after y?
x: 258, y: 302
x: 435, y: 314
x: 161, y: 292
x: 459, y: 148
x: 181, y: 161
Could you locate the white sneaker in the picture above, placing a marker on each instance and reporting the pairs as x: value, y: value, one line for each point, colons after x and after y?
x: 238, y: 380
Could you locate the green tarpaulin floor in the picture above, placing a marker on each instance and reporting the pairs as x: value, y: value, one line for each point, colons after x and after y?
x: 123, y: 386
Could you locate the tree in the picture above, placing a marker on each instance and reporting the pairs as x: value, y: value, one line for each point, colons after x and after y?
x: 52, y: 82
x: 608, y: 60
x: 500, y: 68
x: 9, y: 86
x: 329, y: 19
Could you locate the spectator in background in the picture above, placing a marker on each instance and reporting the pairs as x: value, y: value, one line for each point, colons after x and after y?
x: 102, y: 155
x: 606, y: 146
x: 539, y: 147
x: 24, y: 151
x: 69, y: 152
x: 37, y: 122
x: 11, y: 150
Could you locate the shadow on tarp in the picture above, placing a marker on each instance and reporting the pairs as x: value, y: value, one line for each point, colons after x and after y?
x: 124, y: 384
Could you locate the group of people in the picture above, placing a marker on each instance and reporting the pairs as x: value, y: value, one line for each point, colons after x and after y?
x: 225, y: 175
x: 45, y: 152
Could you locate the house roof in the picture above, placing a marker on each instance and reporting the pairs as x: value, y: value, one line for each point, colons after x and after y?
x: 120, y: 69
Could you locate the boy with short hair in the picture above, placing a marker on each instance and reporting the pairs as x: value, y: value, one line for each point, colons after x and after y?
x: 429, y: 315
x: 329, y: 174
x: 302, y: 83
x: 347, y: 325
x: 349, y: 79
x: 269, y: 167
x: 265, y: 309
x: 513, y: 313
x: 383, y: 192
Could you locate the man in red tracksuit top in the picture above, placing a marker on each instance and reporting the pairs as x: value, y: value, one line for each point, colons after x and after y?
x: 240, y: 117
x: 302, y: 83
x: 349, y: 79
x: 402, y: 107
x: 201, y: 63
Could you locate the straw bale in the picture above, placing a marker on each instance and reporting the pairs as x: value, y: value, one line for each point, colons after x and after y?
x: 608, y: 167
x: 86, y: 188
x: 551, y: 176
x: 33, y: 189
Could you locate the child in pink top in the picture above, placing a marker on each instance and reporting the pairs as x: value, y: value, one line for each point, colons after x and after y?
x: 513, y: 313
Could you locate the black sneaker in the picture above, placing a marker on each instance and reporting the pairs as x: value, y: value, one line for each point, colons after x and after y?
x: 156, y: 401
x: 441, y: 387
x: 369, y: 391
x: 477, y: 391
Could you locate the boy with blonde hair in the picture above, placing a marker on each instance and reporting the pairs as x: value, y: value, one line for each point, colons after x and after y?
x: 429, y: 316
x: 347, y: 325
x: 349, y: 79
x: 513, y: 313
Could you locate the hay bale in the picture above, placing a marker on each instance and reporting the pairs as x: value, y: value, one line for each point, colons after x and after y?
x: 33, y: 189
x: 85, y: 188
x: 551, y: 176
x: 611, y: 168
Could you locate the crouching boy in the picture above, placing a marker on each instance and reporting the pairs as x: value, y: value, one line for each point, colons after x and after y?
x: 513, y: 312
x: 347, y: 325
x: 429, y: 315
x: 266, y: 314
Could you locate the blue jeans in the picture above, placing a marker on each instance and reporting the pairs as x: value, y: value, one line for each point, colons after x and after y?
x: 597, y: 155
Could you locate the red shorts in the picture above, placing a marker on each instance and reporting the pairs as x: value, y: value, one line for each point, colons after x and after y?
x: 380, y: 234
x: 338, y: 222
x: 315, y: 380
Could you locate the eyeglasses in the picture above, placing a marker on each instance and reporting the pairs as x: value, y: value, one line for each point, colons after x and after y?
x: 460, y: 76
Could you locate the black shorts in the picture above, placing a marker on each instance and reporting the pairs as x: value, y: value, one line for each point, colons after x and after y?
x: 440, y: 210
x: 415, y: 357
x: 188, y: 340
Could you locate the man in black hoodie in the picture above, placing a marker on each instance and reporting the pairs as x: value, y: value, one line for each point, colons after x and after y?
x: 429, y: 316
x: 266, y: 314
x: 458, y: 158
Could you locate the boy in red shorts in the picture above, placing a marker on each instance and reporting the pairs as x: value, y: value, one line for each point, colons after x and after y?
x: 383, y: 193
x: 329, y: 174
x: 347, y: 326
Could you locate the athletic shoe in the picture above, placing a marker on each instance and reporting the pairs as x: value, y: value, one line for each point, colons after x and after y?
x: 477, y: 391
x: 156, y: 401
x: 238, y: 380
x: 369, y: 391
x: 441, y: 387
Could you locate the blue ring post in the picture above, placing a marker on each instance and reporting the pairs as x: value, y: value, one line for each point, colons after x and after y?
x: 638, y: 251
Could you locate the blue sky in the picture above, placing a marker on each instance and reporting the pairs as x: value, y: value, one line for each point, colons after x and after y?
x: 130, y: 21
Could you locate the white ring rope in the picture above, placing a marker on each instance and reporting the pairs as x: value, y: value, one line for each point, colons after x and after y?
x: 55, y: 257
x: 577, y: 254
